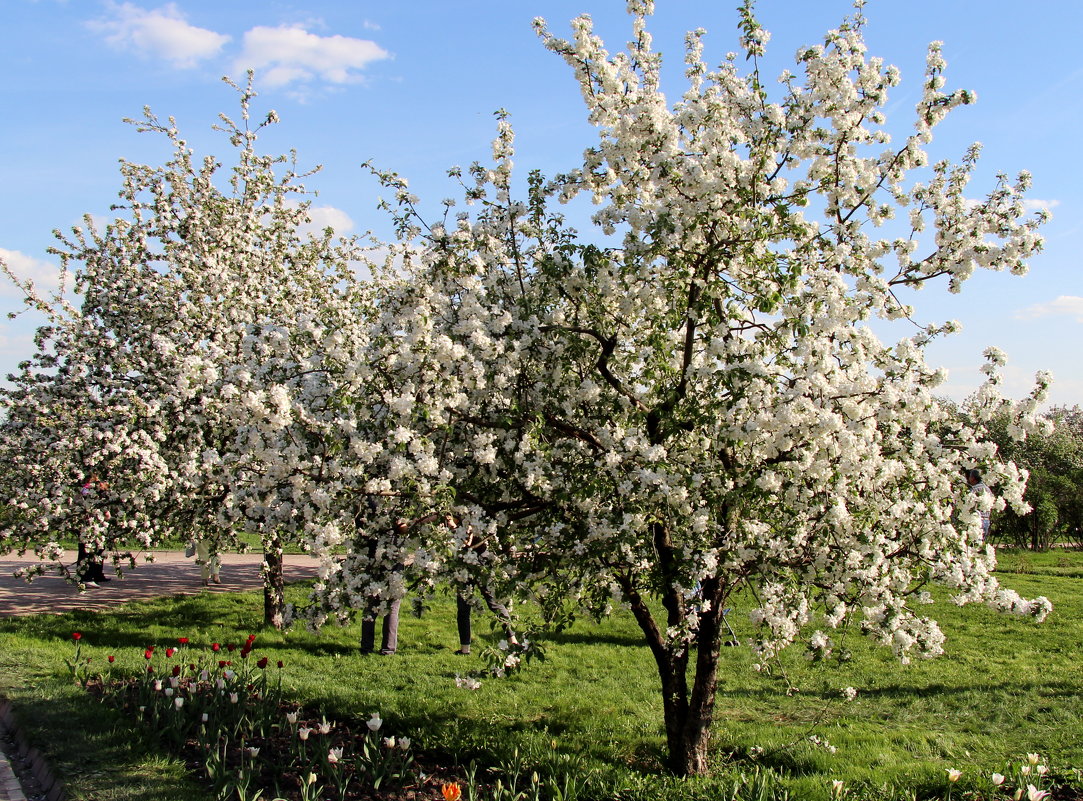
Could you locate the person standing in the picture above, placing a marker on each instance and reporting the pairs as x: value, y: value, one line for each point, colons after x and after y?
x: 463, y: 597
x: 463, y: 610
x: 978, y: 487
x: 389, y: 643
x: 210, y: 563
x: 90, y: 564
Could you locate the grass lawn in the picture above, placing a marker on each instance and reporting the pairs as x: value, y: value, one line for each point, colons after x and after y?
x: 1006, y: 687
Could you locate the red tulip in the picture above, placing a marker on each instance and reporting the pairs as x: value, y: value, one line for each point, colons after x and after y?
x: 75, y: 635
x: 182, y: 640
x: 112, y: 659
x: 262, y: 663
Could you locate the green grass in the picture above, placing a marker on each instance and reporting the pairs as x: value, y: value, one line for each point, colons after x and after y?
x: 1005, y: 687
x: 1057, y: 562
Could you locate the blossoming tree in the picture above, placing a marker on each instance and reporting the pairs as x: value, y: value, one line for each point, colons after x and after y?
x: 170, y: 379
x: 705, y: 410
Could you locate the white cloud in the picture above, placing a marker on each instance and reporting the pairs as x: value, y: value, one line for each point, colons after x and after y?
x: 286, y: 55
x: 321, y: 217
x: 45, y: 275
x: 1070, y: 305
x: 162, y: 33
x: 1029, y: 204
x: 1037, y: 204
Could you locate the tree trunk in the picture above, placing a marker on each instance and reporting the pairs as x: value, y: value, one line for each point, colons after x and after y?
x: 274, y: 592
x: 701, y: 704
x: 688, y: 711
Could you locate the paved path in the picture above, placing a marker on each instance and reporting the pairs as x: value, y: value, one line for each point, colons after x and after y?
x: 169, y: 574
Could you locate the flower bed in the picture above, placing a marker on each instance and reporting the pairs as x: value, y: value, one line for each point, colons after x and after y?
x: 223, y: 709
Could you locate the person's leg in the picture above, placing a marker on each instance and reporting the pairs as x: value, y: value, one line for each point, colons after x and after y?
x: 368, y: 629
x: 368, y: 634
x: 462, y: 622
x: 99, y: 560
x: 390, y: 642
x: 203, y: 556
x: 216, y: 567
x: 97, y: 565
x: 90, y: 561
x: 501, y: 612
x: 83, y: 566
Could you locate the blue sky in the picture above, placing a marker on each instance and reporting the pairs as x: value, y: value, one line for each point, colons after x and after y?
x: 412, y: 85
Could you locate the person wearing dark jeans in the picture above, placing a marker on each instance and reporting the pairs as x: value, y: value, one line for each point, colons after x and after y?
x: 390, y: 641
x: 462, y: 618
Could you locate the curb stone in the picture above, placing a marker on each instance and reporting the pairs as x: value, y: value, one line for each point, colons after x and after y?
x: 24, y: 773
x: 10, y: 789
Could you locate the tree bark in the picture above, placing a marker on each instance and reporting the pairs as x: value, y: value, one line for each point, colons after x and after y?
x: 688, y: 711
x: 274, y: 590
x: 705, y: 684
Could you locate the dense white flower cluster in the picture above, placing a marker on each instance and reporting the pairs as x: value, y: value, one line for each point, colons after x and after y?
x: 194, y: 380
x: 699, y: 412
x: 706, y: 409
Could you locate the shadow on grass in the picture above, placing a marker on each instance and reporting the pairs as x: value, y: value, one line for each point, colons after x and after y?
x: 104, y: 756
x: 139, y: 624
x: 899, y: 691
x: 904, y: 691
x: 597, y: 638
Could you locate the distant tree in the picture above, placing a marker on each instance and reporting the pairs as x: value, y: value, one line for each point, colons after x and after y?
x: 1054, y: 460
x: 162, y: 374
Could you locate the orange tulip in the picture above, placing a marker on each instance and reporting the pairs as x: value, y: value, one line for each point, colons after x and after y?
x: 451, y: 792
